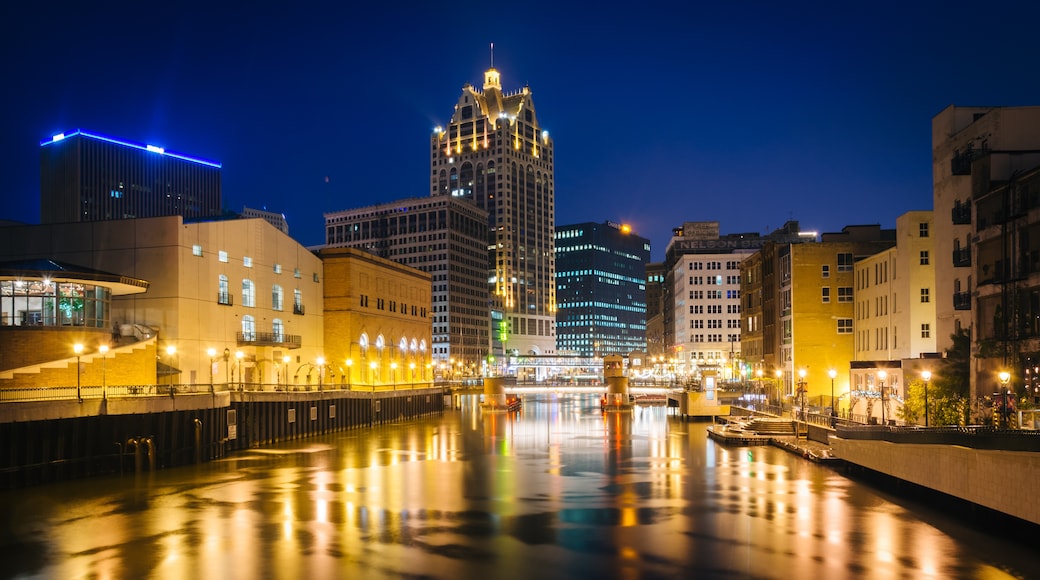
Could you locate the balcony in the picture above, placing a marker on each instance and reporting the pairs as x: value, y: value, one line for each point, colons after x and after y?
x: 224, y: 298
x: 297, y: 309
x: 962, y: 257
x: 961, y: 162
x: 961, y: 214
x: 962, y: 300
x: 269, y: 339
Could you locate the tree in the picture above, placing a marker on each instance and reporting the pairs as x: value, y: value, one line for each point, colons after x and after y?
x: 913, y: 405
x: 950, y: 388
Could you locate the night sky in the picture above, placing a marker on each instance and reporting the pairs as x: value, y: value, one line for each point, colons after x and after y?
x: 749, y: 113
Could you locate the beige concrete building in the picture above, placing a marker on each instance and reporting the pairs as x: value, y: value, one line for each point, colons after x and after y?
x: 377, y: 321
x: 959, y: 136
x: 895, y: 309
x: 239, y: 287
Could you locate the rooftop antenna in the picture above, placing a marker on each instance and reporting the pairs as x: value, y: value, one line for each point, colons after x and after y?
x: 492, y: 55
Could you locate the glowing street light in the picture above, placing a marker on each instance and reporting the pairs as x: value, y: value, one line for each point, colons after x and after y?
x: 103, y: 349
x: 832, y: 373
x: 881, y: 377
x: 393, y: 370
x: 350, y: 372
x: 1005, y: 377
x: 78, y: 349
x: 321, y: 370
x: 285, y: 364
x: 238, y: 365
x: 212, y: 353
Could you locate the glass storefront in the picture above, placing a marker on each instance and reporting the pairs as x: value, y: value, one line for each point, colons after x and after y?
x: 46, y: 303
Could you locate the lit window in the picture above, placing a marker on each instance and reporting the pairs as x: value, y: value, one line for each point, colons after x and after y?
x: 222, y: 256
x: 925, y: 295
x: 196, y: 250
x: 277, y: 268
x: 247, y: 262
x: 248, y: 293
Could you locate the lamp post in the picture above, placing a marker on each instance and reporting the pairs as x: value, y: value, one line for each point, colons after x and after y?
x: 372, y: 374
x: 350, y: 372
x: 411, y: 367
x: 212, y: 352
x: 393, y: 371
x: 238, y: 367
x: 779, y: 374
x: 801, y: 393
x: 321, y: 370
x: 285, y: 365
x: 227, y: 368
x: 927, y: 376
x: 103, y: 349
x: 78, y: 349
x: 758, y: 377
x: 832, y: 373
x: 1004, y: 378
x: 170, y: 351
x: 881, y: 378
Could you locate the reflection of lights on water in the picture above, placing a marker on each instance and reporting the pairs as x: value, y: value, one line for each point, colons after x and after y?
x: 323, y: 511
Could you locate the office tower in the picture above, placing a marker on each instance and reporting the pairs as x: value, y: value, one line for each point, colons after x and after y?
x: 274, y: 218
x: 495, y: 153
x: 443, y: 236
x: 600, y: 289
x: 86, y: 177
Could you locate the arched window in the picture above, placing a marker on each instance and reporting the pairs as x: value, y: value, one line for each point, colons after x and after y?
x: 403, y: 345
x: 248, y: 328
x: 278, y: 330
x: 297, y: 301
x: 248, y: 293
x: 363, y: 343
x: 380, y: 343
x: 276, y: 297
x: 414, y: 345
x: 224, y: 292
x: 422, y: 345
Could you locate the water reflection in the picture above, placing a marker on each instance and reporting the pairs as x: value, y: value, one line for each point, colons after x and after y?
x: 560, y: 490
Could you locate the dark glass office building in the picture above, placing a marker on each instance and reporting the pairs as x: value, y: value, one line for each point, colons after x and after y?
x: 86, y: 177
x: 600, y: 289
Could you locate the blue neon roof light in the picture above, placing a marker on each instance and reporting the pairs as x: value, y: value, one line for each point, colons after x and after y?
x: 150, y: 148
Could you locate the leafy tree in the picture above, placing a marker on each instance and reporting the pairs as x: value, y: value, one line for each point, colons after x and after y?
x: 950, y: 388
x: 913, y: 405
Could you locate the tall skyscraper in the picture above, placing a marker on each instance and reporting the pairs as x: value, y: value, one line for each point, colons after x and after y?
x: 86, y: 177
x: 601, y: 286
x: 495, y: 153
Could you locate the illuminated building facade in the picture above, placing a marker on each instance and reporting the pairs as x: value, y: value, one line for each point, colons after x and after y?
x: 87, y: 177
x: 601, y: 289
x: 702, y: 303
x: 495, y: 153
x: 445, y: 237
x: 377, y: 322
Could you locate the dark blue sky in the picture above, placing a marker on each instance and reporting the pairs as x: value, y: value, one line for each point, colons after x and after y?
x: 748, y: 113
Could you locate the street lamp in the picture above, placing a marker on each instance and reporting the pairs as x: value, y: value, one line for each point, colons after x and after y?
x: 779, y: 374
x: 1004, y: 378
x: 285, y: 363
x: 103, y: 349
x: 170, y: 351
x: 411, y: 367
x: 78, y: 349
x: 927, y: 376
x: 238, y: 365
x: 801, y: 392
x: 393, y: 370
x: 832, y: 373
x: 321, y: 370
x: 881, y: 378
x: 212, y: 352
x: 350, y: 372
x: 227, y: 368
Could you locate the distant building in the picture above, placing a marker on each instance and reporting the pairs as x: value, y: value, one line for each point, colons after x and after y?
x: 702, y: 316
x: 443, y: 236
x: 495, y: 153
x: 275, y: 219
x: 600, y: 289
x: 815, y: 292
x: 377, y: 320
x: 86, y: 177
x: 655, y: 342
x: 235, y: 286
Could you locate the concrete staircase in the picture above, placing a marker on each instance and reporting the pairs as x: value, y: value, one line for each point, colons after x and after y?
x: 766, y: 426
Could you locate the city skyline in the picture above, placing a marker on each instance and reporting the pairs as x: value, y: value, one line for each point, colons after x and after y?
x: 662, y: 116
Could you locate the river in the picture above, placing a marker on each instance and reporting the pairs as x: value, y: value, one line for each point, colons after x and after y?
x: 560, y: 490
